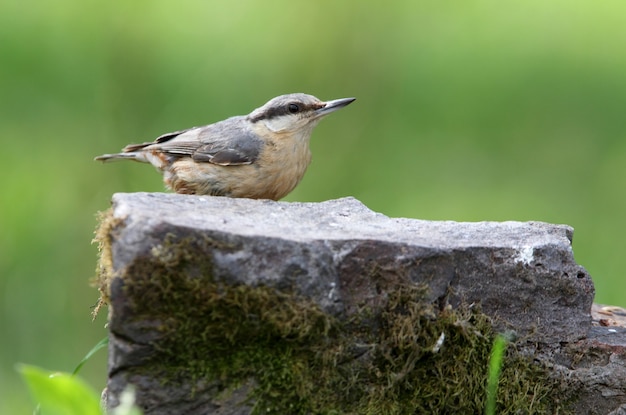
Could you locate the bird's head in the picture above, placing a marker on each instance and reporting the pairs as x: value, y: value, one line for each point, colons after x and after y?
x: 293, y: 113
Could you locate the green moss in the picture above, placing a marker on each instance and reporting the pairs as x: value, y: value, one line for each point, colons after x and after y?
x: 106, y: 230
x: 406, y: 357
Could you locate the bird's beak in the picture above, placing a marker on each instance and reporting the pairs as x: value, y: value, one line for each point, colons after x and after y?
x: 333, y: 105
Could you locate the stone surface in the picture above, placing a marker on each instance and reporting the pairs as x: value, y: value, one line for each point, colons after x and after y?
x: 523, y: 275
x: 595, y: 368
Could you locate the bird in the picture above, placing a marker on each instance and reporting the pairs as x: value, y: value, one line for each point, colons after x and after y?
x: 262, y: 155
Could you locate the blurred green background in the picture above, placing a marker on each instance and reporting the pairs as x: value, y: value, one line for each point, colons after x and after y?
x: 466, y: 110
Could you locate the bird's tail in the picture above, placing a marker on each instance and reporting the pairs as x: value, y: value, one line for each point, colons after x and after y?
x: 119, y: 156
x: 130, y: 152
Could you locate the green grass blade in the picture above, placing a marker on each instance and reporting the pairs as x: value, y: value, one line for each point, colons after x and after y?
x: 102, y: 343
x: 495, y: 366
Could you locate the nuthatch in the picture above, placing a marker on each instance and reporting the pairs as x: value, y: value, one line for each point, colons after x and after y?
x: 262, y: 155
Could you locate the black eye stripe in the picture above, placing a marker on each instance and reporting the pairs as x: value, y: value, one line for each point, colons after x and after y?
x: 284, y: 109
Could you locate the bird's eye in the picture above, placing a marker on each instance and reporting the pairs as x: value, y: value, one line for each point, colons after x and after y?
x: 293, y: 108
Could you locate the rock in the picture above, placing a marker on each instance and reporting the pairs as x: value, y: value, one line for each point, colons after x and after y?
x: 522, y: 273
x: 296, y: 277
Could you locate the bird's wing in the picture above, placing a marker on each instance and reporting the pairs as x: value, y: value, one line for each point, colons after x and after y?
x: 160, y: 139
x: 169, y: 136
x: 224, y: 143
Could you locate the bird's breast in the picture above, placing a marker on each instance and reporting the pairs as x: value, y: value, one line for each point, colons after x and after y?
x: 282, y: 165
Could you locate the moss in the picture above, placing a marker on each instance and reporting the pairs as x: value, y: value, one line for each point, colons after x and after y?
x: 405, y: 357
x: 105, y: 232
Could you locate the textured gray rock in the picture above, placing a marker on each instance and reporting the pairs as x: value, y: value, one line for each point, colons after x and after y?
x: 523, y: 275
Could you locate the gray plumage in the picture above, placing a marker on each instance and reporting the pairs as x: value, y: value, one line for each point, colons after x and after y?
x: 224, y: 143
